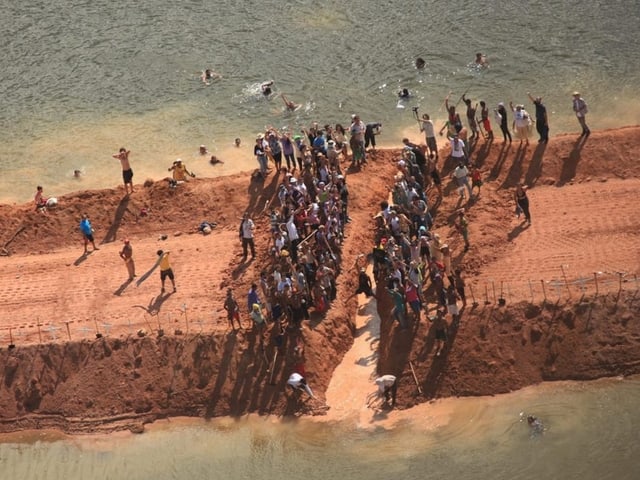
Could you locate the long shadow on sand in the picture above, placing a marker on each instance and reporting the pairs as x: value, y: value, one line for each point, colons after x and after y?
x: 570, y: 164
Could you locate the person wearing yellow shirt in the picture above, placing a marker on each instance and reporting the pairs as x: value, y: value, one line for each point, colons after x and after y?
x: 180, y: 172
x: 165, y: 269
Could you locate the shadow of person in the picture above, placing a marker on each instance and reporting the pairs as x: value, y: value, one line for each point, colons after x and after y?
x: 535, y: 165
x: 570, y: 164
x: 123, y: 207
x: 122, y: 287
x: 153, y: 308
x: 81, y: 259
x: 517, y: 230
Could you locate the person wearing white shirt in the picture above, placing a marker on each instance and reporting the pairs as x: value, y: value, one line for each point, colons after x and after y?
x: 461, y: 174
x: 298, y: 383
x: 246, y: 235
x: 387, y: 388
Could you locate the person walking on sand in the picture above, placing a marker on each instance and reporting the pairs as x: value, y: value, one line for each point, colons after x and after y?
x: 166, y: 270
x: 87, y: 233
x: 580, y: 109
x: 542, y: 121
x: 246, y: 236
x: 387, y: 388
x: 522, y: 201
x: 127, y: 173
x: 126, y: 254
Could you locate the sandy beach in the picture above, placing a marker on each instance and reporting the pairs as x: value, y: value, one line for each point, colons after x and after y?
x: 86, y: 351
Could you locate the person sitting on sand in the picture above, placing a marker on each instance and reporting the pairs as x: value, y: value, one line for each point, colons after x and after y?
x: 208, y: 75
x: 266, y: 88
x: 290, y: 105
x: 40, y: 201
x: 180, y: 171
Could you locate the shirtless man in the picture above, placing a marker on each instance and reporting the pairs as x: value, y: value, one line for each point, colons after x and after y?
x: 127, y: 173
x: 209, y: 75
x: 266, y: 88
x: 290, y: 105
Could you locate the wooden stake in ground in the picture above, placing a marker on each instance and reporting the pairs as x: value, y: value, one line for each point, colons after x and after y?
x: 415, y: 378
x: 273, y: 367
x: 595, y: 277
x: 39, y: 332
x: 68, y: 330
x: 98, y: 334
x: 566, y: 283
x: 11, y: 344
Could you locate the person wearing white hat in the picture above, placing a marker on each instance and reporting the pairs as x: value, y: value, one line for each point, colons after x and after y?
x: 581, y: 110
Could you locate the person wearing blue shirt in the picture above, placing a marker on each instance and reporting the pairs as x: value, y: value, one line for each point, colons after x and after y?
x: 252, y: 297
x: 87, y: 233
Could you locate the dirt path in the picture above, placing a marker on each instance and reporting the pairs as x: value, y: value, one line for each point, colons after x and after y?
x: 84, y: 291
x: 581, y: 228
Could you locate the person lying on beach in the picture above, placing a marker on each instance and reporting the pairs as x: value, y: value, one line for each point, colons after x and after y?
x: 208, y: 75
x: 290, y: 105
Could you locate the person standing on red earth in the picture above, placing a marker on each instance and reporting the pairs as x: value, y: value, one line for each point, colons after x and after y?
x: 458, y: 281
x: 501, y: 116
x: 87, y: 233
x: 580, y: 108
x: 542, y: 121
x: 522, y: 201
x: 246, y: 236
x: 427, y: 127
x: 127, y: 255
x: 233, y: 310
x: 127, y: 173
x: 462, y: 225
x: 440, y: 326
x: 166, y: 270
x: 484, y: 118
x: 471, y: 116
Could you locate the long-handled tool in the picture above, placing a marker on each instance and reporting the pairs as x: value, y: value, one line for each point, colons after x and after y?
x: 273, y: 367
x: 415, y: 378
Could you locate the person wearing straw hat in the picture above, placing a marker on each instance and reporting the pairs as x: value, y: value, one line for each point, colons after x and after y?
x: 581, y: 110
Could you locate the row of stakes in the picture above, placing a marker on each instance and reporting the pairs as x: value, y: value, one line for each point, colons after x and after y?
x: 106, y: 328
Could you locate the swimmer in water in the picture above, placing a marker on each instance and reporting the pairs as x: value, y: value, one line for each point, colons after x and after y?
x: 215, y: 160
x: 420, y: 63
x: 266, y: 88
x: 481, y: 59
x: 404, y: 94
x: 290, y: 105
x: 236, y: 142
x: 77, y: 173
x: 203, y: 150
x: 535, y: 424
x: 208, y: 75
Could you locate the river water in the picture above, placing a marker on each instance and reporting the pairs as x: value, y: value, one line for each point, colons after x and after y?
x: 591, y: 432
x: 81, y: 78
